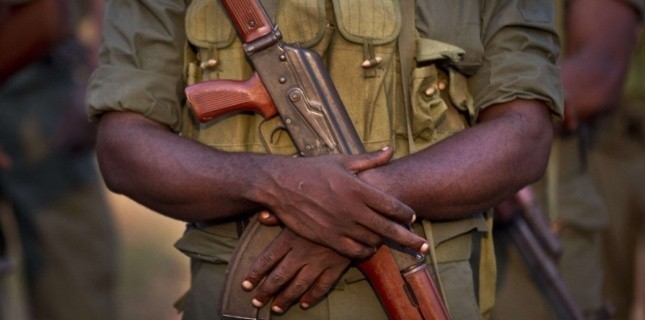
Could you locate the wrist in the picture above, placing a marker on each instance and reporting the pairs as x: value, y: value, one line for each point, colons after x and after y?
x: 263, y: 182
x: 377, y: 178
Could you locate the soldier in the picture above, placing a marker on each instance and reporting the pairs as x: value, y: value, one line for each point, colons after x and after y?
x: 618, y: 166
x: 66, y: 234
x: 594, y: 65
x: 489, y: 64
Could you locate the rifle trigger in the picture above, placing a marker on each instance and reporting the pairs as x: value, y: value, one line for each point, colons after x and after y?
x: 272, y: 133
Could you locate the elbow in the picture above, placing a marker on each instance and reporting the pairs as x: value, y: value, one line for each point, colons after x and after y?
x: 540, y: 154
x: 108, y: 165
x: 109, y: 177
x: 536, y: 150
x: 116, y: 139
x: 534, y: 132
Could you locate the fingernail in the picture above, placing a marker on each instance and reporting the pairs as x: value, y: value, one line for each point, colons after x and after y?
x: 386, y: 148
x: 304, y: 305
x: 414, y: 218
x: 265, y: 215
x: 277, y: 309
x: 424, y: 248
x: 247, y: 285
x: 256, y: 303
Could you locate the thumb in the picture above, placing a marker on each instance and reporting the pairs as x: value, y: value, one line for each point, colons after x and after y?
x: 267, y: 218
x: 370, y: 160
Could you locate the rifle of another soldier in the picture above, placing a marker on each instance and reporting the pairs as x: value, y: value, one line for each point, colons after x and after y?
x: 540, y: 249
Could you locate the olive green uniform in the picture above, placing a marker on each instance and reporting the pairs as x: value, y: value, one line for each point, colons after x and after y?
x: 618, y: 165
x: 500, y: 52
x: 572, y: 200
x: 66, y: 233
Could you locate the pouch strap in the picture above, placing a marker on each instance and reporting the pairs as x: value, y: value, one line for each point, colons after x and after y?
x: 406, y: 45
x: 271, y: 7
x: 407, y: 48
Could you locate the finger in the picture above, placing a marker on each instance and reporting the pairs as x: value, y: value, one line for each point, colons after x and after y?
x: 320, y: 288
x: 388, y: 206
x: 277, y: 278
x: 267, y: 218
x: 294, y: 290
x: 362, y: 162
x: 398, y: 233
x: 268, y: 259
x: 367, y: 237
x: 351, y: 248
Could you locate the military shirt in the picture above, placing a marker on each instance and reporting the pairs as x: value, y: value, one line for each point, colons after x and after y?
x: 514, y: 46
x: 509, y: 52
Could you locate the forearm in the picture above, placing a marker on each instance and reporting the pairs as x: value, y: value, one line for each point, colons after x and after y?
x: 318, y: 198
x: 475, y: 169
x: 171, y: 174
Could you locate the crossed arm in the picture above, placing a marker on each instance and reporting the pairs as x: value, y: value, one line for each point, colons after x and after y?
x: 462, y: 175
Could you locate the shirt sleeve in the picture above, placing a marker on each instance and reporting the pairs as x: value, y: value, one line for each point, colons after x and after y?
x: 520, y: 51
x: 141, y: 61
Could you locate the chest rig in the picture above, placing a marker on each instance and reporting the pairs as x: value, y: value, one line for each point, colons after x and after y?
x: 360, y: 50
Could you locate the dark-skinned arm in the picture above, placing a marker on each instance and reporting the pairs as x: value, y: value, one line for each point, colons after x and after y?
x: 465, y: 174
x: 318, y: 198
x: 474, y: 169
x: 601, y: 36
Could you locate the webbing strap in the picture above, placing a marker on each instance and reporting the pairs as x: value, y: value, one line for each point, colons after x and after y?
x: 407, y: 49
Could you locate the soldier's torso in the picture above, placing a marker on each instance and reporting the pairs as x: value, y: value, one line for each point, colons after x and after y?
x: 346, y: 35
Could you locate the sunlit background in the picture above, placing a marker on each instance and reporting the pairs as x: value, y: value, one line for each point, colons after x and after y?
x: 153, y: 274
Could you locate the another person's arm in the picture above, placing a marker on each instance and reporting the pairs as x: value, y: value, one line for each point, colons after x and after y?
x: 29, y: 31
x: 600, y: 38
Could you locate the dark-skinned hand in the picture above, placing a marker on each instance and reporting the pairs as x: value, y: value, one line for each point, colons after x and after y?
x: 293, y: 268
x: 322, y: 200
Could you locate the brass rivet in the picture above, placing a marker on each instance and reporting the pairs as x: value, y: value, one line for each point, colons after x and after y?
x: 210, y: 64
x: 430, y: 91
x: 369, y: 63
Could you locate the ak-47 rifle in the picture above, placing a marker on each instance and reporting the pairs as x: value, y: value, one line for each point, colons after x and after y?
x: 294, y: 83
x: 541, y: 249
